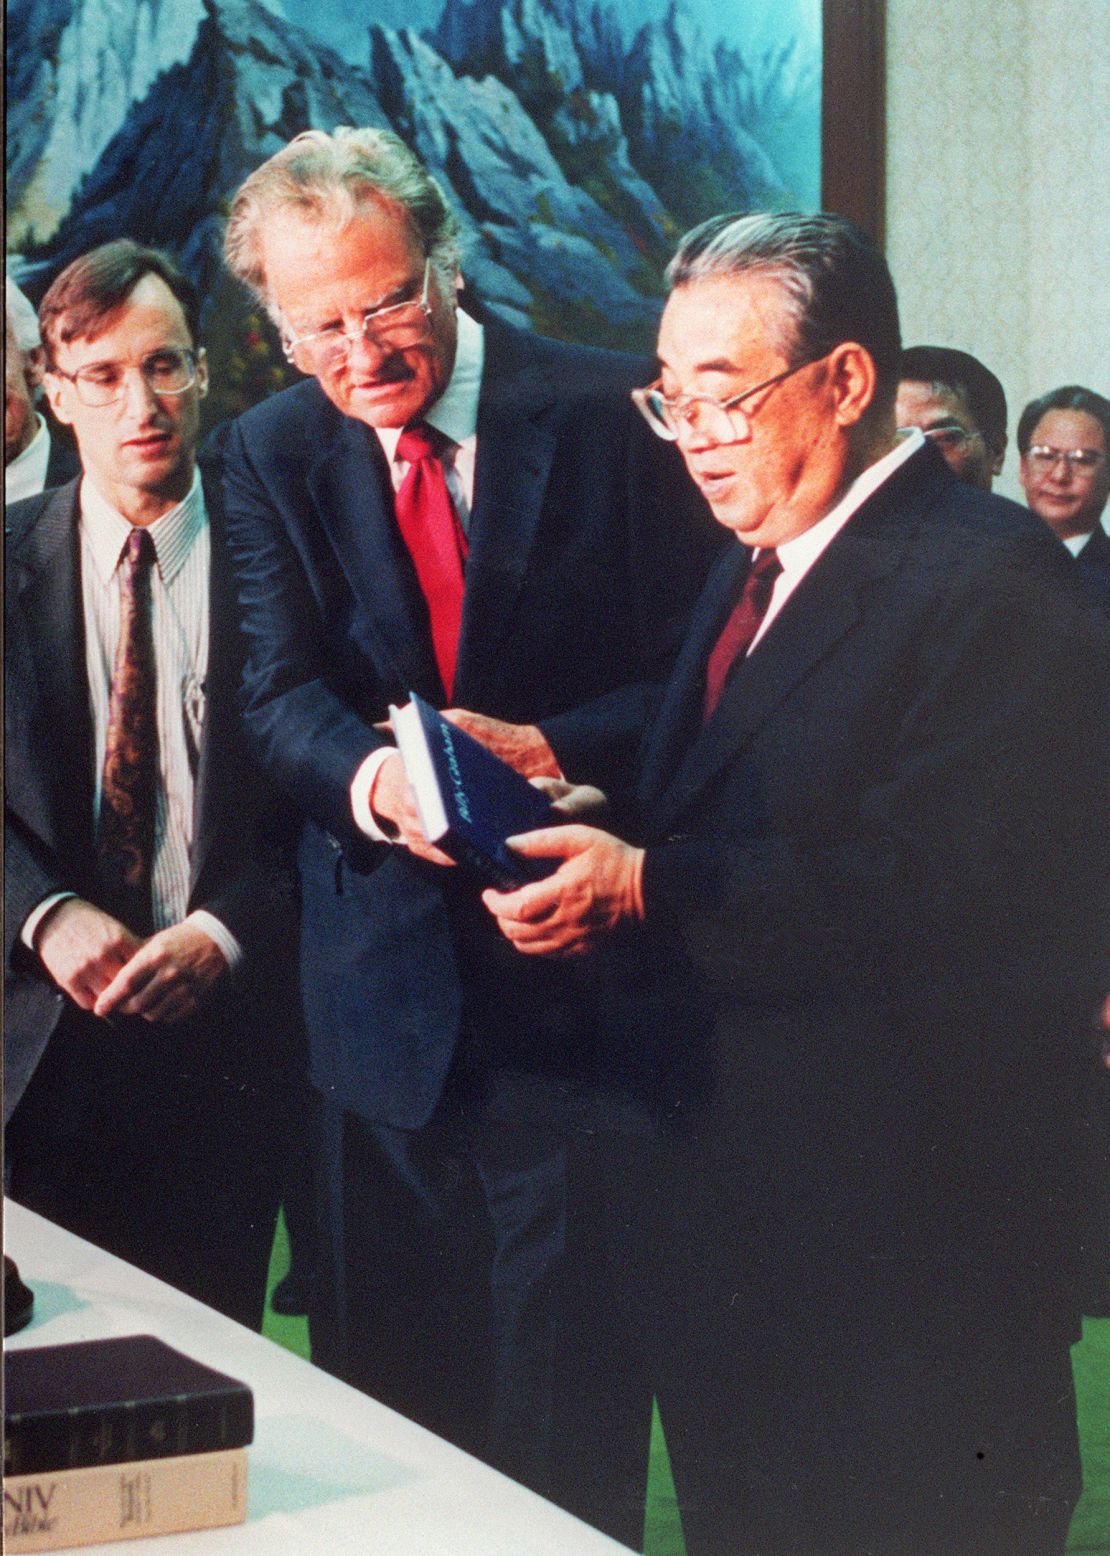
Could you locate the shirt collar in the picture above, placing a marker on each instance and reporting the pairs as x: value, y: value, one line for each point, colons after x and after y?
x: 26, y: 475
x: 1075, y: 543
x: 799, y: 554
x: 455, y: 413
x: 106, y: 531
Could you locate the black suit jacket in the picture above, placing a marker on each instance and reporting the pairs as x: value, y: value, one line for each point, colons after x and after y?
x: 586, y: 548
x: 1093, y: 561
x: 877, y: 862
x: 48, y: 817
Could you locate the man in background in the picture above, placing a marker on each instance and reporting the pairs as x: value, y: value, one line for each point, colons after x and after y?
x: 34, y: 455
x: 959, y: 405
x: 146, y: 1006
x: 1063, y: 439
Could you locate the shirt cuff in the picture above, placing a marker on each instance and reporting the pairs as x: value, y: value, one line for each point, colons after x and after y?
x: 361, y: 784
x: 37, y: 914
x: 218, y: 931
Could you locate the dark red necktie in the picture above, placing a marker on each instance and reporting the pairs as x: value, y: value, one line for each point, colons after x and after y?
x: 740, y: 628
x: 432, y: 532
x: 129, y: 790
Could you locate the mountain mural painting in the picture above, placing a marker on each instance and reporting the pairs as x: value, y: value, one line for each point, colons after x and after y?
x: 575, y: 143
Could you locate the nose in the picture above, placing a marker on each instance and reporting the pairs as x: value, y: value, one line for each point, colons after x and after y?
x: 138, y: 396
x: 371, y: 352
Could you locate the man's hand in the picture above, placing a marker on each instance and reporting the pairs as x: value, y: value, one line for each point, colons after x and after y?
x: 169, y: 976
x: 575, y: 801
x: 598, y: 884
x: 83, y: 948
x: 521, y: 745
x: 393, y: 805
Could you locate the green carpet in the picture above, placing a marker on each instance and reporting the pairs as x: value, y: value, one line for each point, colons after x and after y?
x: 1090, y: 1529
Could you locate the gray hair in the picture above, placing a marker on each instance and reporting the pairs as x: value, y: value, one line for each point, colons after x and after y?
x: 834, y: 280
x: 330, y: 177
x: 20, y: 313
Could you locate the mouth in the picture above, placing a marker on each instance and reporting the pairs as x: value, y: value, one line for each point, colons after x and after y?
x: 146, y: 443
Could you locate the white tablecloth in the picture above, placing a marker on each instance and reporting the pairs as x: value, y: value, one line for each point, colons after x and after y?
x: 331, y: 1471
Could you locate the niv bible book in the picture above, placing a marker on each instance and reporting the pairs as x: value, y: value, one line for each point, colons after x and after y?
x: 469, y: 800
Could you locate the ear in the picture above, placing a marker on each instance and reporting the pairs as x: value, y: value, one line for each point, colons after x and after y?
x: 202, y: 372
x: 852, y: 380
x: 996, y: 462
x: 34, y: 365
x: 58, y: 391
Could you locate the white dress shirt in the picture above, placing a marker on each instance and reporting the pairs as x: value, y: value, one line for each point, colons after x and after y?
x: 180, y: 624
x: 26, y: 475
x: 455, y: 414
x: 798, y: 555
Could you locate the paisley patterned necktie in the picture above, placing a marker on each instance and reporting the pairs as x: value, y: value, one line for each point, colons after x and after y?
x: 128, y: 799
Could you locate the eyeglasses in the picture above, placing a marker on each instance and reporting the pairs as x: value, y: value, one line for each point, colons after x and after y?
x: 1043, y: 456
x: 948, y: 435
x: 169, y: 371
x: 719, y: 421
x: 396, y: 325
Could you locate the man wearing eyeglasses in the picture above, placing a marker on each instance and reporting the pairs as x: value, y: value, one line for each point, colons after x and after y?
x: 1063, y: 439
x: 139, y: 1032
x: 460, y: 508
x: 959, y: 405
x: 860, y: 924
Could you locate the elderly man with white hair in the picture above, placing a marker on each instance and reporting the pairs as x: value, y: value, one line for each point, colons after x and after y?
x: 34, y: 457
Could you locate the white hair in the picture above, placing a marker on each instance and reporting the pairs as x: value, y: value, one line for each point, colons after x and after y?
x: 19, y: 312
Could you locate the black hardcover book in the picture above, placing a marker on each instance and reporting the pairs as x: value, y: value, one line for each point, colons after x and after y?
x: 468, y: 799
x: 113, y: 1401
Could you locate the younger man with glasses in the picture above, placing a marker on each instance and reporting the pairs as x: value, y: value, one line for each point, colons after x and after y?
x: 1063, y: 440
x: 959, y: 405
x: 141, y: 925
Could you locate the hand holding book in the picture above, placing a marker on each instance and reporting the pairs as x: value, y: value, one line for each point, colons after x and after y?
x: 597, y: 884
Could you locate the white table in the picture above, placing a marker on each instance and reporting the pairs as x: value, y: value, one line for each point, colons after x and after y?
x: 331, y: 1471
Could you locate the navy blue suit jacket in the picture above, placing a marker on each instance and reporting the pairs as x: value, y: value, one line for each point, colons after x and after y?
x: 587, y: 546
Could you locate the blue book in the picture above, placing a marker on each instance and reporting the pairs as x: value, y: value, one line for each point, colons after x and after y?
x: 469, y: 800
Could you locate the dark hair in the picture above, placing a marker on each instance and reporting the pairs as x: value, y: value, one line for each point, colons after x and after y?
x: 93, y: 286
x: 1072, y: 397
x: 834, y: 277
x: 965, y: 375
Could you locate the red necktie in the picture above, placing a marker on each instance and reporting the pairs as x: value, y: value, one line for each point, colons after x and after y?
x: 128, y: 796
x: 740, y: 628
x: 435, y: 538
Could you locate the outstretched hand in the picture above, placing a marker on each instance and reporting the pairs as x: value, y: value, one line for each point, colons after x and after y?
x: 598, y: 885
x: 523, y: 746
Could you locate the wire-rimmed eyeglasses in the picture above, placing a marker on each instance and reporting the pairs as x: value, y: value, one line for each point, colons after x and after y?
x: 1044, y: 456
x: 169, y: 371
x: 719, y: 421
x: 394, y: 325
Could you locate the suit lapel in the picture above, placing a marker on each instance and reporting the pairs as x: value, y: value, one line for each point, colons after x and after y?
x: 679, y: 718
x: 517, y: 434
x: 825, y: 606
x: 351, y: 490
x: 213, y: 799
x: 49, y: 687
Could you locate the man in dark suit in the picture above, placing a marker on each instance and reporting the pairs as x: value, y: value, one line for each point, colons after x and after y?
x: 1064, y: 442
x: 143, y: 995
x: 35, y: 456
x: 866, y: 848
x: 959, y: 405
x: 546, y: 578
